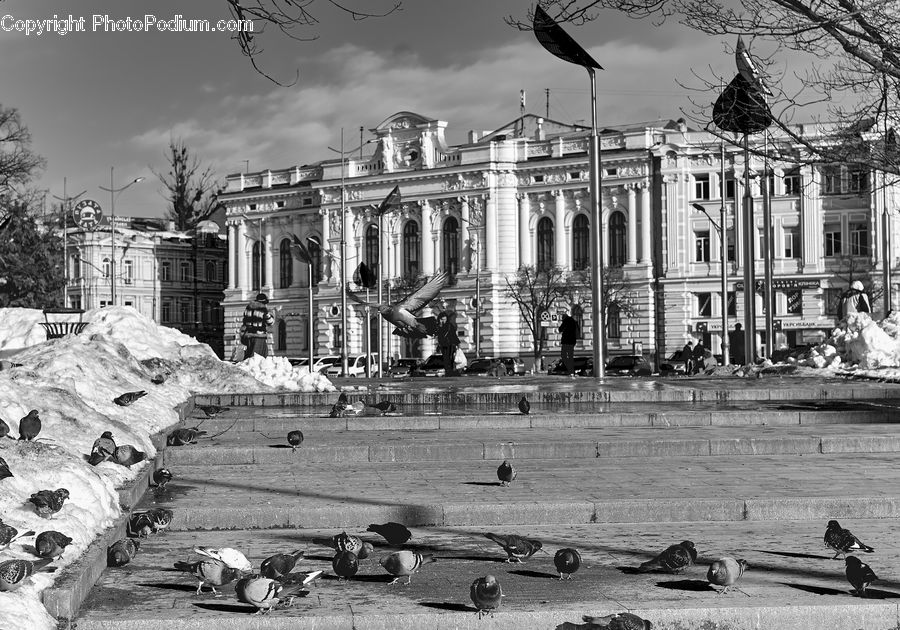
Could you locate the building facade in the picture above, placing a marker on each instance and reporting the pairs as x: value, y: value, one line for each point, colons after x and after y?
x: 519, y: 196
x: 175, y: 278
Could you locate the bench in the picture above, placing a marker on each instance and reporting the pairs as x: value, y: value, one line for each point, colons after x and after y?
x: 57, y: 329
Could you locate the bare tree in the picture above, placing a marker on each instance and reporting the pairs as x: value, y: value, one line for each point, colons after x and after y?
x: 535, y: 291
x: 853, y: 47
x: 18, y: 164
x: 191, y: 188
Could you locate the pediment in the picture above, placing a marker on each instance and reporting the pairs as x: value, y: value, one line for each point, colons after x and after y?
x: 402, y: 121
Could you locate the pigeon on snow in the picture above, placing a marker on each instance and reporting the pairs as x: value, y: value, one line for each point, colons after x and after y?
x: 128, y: 398
x: 14, y: 572
x: 104, y: 448
x: 49, y: 502
x: 30, y: 426
x: 51, y: 544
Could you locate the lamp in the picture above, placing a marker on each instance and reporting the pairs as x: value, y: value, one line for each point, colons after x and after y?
x: 723, y: 254
x: 66, y: 209
x: 113, y: 193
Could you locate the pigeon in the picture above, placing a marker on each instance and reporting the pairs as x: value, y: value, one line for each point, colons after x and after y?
x: 674, y: 559
x: 212, y: 411
x: 517, y: 548
x: 230, y: 557
x: 295, y: 439
x: 618, y: 621
x: 49, y: 502
x: 104, y: 448
x: 266, y: 593
x: 127, y: 455
x: 725, y: 572
x: 5, y: 472
x: 842, y: 540
x: 128, y: 398
x: 524, y: 405
x: 160, y: 518
x: 51, y: 544
x: 8, y: 534
x: 210, y: 573
x: 366, y: 550
x: 345, y: 564
x: 486, y: 593
x: 347, y: 410
x: 161, y: 477
x: 346, y: 542
x: 394, y: 533
x: 402, y: 314
x: 14, y: 572
x: 4, y: 429
x: 30, y: 426
x: 280, y: 564
x: 404, y: 562
x: 122, y: 552
x: 567, y: 562
x: 180, y: 437
x: 859, y: 574
x: 384, y: 406
x: 506, y: 473
x: 140, y: 525
x: 158, y: 379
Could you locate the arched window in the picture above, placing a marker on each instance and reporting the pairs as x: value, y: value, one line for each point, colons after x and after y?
x: 256, y: 278
x: 281, y: 337
x: 450, y: 246
x: 210, y: 271
x: 315, y: 254
x: 545, y: 244
x: 613, y: 321
x: 285, y: 264
x: 372, y: 250
x: 105, y: 266
x: 411, y: 249
x: 617, y: 251
x: 581, y: 243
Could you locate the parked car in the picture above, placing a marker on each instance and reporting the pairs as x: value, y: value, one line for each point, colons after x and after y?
x: 433, y: 366
x: 298, y: 361
x: 629, y: 365
x: 514, y: 365
x: 479, y: 367
x: 356, y: 366
x: 584, y: 366
x: 672, y: 366
x: 322, y: 363
x: 403, y: 367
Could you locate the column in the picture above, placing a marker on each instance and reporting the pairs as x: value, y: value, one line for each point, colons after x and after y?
x: 267, y: 253
x: 325, y: 245
x: 427, y: 239
x: 464, y: 238
x: 646, y: 236
x: 559, y: 228
x: 524, y: 230
x: 232, y: 258
x: 631, y: 228
x: 242, y: 283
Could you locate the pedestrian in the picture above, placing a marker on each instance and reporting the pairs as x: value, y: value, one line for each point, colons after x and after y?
x: 568, y: 330
x: 736, y: 341
x: 448, y: 342
x: 855, y: 300
x: 687, y: 355
x: 698, y: 356
x: 257, y: 319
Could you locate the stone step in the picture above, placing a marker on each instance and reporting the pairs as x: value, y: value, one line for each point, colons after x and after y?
x: 793, y: 582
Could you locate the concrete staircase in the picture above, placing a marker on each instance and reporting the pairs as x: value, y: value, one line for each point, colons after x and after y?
x: 618, y: 472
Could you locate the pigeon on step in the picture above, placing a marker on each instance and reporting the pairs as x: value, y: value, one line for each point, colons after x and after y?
x: 486, y: 594
x: 567, y: 562
x: 122, y: 552
x: 674, y: 559
x: 280, y: 564
x: 506, y: 473
x: 725, y: 572
x: 618, y: 621
x: 230, y: 557
x: 394, y: 533
x: 859, y: 574
x: 210, y: 573
x: 404, y: 562
x: 842, y: 540
x: 517, y: 548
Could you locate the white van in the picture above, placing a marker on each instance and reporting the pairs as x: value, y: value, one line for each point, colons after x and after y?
x: 356, y: 366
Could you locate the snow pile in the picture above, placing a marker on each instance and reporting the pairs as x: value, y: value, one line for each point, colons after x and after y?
x: 860, y: 344
x: 72, y: 382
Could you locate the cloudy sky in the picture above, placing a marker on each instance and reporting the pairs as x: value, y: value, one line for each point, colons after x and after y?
x: 94, y: 100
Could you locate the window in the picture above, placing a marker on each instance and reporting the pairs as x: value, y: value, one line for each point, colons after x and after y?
x: 832, y: 239
x: 258, y: 279
x: 538, y: 179
x: 76, y: 266
x: 105, y: 266
x: 859, y: 239
x: 704, y: 304
x: 411, y: 249
x: 450, y: 246
x: 732, y: 304
x: 831, y: 180
x: 613, y: 321
x: 75, y: 301
x: 210, y: 271
x: 701, y: 186
x: 581, y: 244
x: 730, y: 188
x: 545, y: 243
x: 617, y: 245
x: 165, y: 271
x: 128, y: 271
x: 372, y: 252
x: 701, y: 246
x: 336, y: 335
x: 285, y: 264
x: 574, y: 175
x: 792, y: 183
x: 315, y: 254
x: 281, y: 336
x: 794, y: 302
x: 791, y: 243
x: 184, y: 311
x: 166, y: 311
x: 832, y: 299
x: 730, y: 250
x: 185, y: 275
x: 858, y: 180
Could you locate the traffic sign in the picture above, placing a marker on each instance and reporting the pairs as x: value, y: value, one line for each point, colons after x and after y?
x: 87, y: 214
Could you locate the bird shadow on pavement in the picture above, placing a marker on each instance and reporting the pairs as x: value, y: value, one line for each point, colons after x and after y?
x: 874, y: 593
x: 369, y: 578
x: 168, y: 586
x: 474, y: 558
x: 279, y: 446
x: 793, y: 554
x: 686, y: 585
x: 534, y: 574
x: 631, y: 570
x: 482, y: 483
x: 226, y: 608
x: 319, y: 558
x: 449, y: 606
x: 818, y: 590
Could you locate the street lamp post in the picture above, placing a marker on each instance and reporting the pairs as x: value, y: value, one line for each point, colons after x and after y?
x: 343, y: 278
x: 66, y: 209
x: 723, y: 249
x: 310, y: 310
x: 113, y: 192
x: 560, y: 44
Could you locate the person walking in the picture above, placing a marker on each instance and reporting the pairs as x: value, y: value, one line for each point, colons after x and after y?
x: 736, y: 341
x: 257, y: 319
x: 448, y: 342
x: 687, y: 355
x: 697, y: 357
x: 568, y: 330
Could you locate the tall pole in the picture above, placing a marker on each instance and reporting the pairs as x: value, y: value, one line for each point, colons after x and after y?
x: 112, y: 237
x: 66, y: 206
x: 749, y: 260
x: 885, y: 216
x: 723, y: 254
x: 597, y: 304
x: 344, y: 367
x: 382, y: 251
x: 478, y: 296
x: 767, y: 249
x: 310, y: 332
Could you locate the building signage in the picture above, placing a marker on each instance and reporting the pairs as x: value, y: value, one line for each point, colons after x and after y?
x: 87, y: 214
x: 781, y: 284
x: 786, y: 324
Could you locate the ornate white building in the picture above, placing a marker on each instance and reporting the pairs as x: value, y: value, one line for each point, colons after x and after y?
x: 519, y: 196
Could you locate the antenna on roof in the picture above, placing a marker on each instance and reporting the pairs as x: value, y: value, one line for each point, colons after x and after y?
x: 547, y: 92
x: 521, y: 113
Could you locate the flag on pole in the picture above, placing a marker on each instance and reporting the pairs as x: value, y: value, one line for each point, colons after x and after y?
x: 393, y: 199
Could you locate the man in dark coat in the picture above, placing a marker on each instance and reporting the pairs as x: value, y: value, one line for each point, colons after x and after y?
x: 448, y: 342
x: 257, y: 319
x: 568, y: 330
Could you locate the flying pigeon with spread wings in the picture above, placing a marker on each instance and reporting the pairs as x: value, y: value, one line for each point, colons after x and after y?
x: 403, y: 314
